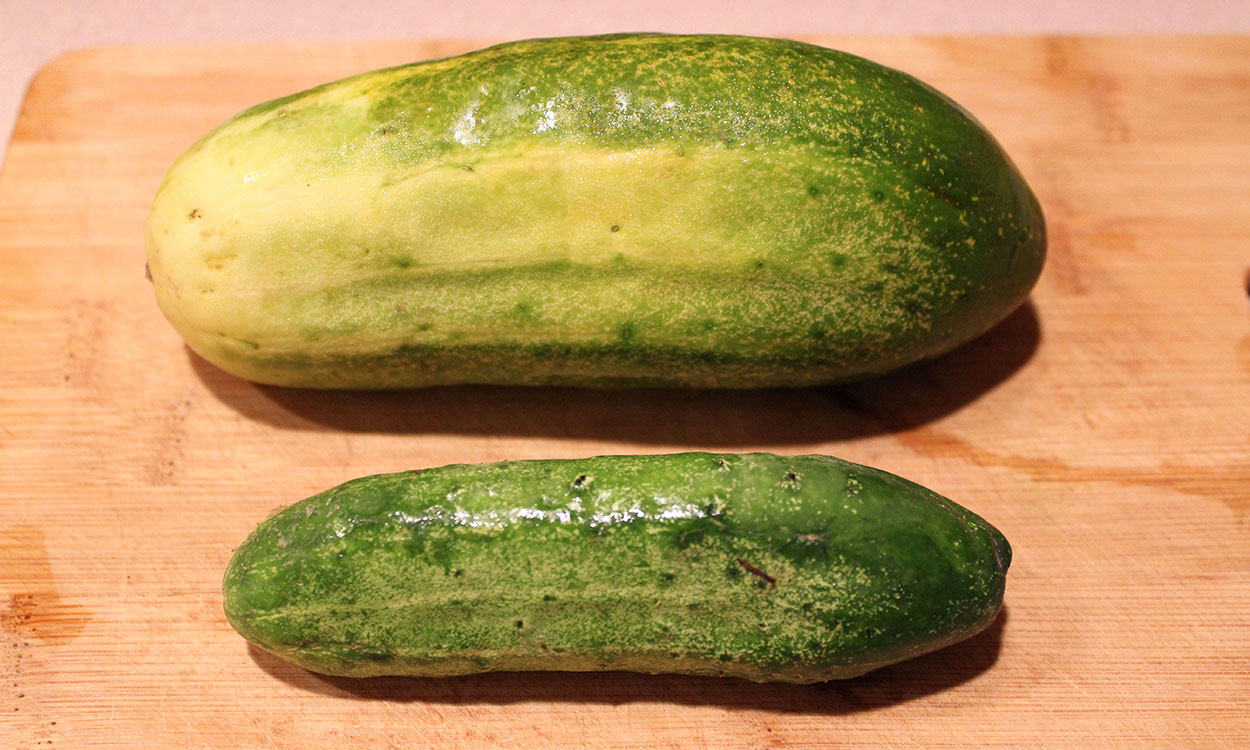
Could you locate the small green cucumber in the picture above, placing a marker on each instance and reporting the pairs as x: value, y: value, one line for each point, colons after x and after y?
x: 769, y: 568
x: 628, y: 210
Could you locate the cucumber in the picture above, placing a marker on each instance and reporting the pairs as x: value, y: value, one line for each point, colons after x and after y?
x: 769, y: 568
x: 627, y: 210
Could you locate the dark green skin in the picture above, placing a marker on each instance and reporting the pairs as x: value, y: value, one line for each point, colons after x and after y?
x: 769, y: 568
x: 628, y: 210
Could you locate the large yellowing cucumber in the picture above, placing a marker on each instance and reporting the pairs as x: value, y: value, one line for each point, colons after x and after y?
x: 710, y: 211
x: 770, y: 568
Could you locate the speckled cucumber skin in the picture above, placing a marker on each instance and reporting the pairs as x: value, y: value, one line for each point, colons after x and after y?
x: 628, y: 210
x: 770, y: 568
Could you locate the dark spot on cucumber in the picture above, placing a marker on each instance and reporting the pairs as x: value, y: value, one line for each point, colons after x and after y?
x: 402, y: 261
x: 195, y: 214
x: 519, y: 624
x: 733, y: 571
x: 468, y: 167
x: 759, y: 264
x: 813, y: 191
x: 626, y: 332
x: 807, y: 607
x: 581, y: 481
x: 673, y: 655
x: 615, y: 228
x: 549, y: 597
x: 668, y: 576
x: 944, y: 196
x: 838, y: 260
x: 890, y: 267
x: 457, y: 572
x: 523, y: 308
x: 725, y: 657
x: 877, y: 195
x: 770, y: 581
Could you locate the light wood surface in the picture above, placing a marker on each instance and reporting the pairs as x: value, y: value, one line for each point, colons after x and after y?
x: 1105, y: 428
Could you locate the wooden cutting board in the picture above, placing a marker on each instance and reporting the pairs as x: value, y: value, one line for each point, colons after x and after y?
x: 1104, y: 427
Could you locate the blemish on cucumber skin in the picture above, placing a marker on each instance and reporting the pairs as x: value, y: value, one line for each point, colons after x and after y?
x: 403, y: 261
x: 757, y: 572
x: 615, y: 228
x: 626, y: 332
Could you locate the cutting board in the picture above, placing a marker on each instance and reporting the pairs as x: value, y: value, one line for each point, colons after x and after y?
x: 1104, y: 427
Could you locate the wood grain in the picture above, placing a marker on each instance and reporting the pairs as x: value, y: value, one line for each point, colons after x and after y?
x: 1105, y: 428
